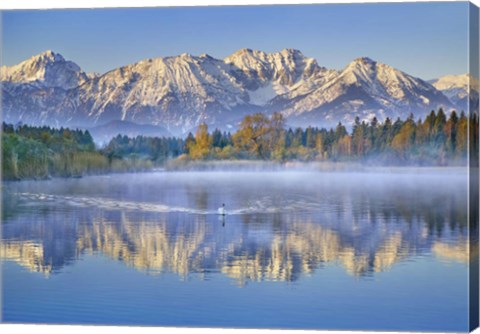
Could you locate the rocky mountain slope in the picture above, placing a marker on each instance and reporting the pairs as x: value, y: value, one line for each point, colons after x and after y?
x: 456, y: 88
x: 180, y: 92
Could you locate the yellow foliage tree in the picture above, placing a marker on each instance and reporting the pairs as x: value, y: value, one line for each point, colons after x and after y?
x: 404, y: 139
x: 200, y: 149
x: 257, y: 134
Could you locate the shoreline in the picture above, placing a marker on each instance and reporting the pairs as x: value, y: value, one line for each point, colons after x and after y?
x: 249, y: 166
x: 259, y: 165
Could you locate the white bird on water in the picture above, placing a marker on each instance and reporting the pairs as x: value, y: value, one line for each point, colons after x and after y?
x: 221, y: 210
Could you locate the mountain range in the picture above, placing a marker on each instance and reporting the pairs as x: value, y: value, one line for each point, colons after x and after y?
x: 176, y: 94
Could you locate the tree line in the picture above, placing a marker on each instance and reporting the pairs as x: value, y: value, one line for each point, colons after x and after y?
x: 438, y: 140
x: 30, y: 152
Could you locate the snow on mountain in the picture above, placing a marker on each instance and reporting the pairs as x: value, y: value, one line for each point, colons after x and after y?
x: 366, y: 88
x: 451, y: 82
x: 33, y: 90
x: 268, y: 75
x: 284, y: 68
x: 47, y: 69
x: 183, y: 91
x: 179, y: 92
x: 456, y: 88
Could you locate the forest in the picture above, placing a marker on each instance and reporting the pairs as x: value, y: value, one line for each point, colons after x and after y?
x: 435, y: 141
x: 42, y: 152
x: 30, y: 152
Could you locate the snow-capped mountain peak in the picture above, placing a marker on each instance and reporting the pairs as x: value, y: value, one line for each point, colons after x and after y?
x: 361, y: 70
x: 206, y: 55
x: 383, y: 79
x: 460, y: 89
x: 48, y: 69
x: 366, y: 88
x: 180, y: 92
x: 365, y: 61
x: 276, y: 72
x: 452, y: 81
x: 49, y: 55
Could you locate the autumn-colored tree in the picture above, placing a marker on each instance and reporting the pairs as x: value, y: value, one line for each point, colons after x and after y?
x: 39, y: 151
x: 358, y: 141
x: 189, y: 143
x: 423, y: 133
x: 319, y: 147
x: 261, y: 136
x: 276, y: 139
x: 405, y: 138
x: 203, y: 143
x: 252, y: 135
x: 345, y: 146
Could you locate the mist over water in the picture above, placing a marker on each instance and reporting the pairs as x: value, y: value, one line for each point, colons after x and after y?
x: 312, y: 246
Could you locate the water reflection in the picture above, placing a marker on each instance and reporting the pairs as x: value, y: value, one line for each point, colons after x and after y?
x: 456, y: 252
x: 251, y: 247
x: 364, y: 232
x: 30, y: 255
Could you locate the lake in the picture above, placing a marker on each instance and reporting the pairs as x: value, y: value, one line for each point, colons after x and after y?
x: 381, y: 249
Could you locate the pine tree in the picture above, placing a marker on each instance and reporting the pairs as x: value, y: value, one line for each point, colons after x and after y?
x: 439, y: 128
x: 358, y: 135
x: 451, y: 133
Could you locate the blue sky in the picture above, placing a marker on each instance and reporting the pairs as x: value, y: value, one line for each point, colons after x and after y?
x: 423, y: 39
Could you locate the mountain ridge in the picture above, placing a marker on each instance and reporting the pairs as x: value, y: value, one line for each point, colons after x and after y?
x: 461, y: 89
x: 180, y: 92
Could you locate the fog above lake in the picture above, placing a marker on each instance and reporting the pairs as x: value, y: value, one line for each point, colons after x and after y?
x: 351, y: 217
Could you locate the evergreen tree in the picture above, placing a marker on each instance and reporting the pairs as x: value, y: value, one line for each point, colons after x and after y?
x: 451, y: 133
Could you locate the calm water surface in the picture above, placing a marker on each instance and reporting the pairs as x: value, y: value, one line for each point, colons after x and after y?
x: 383, y: 250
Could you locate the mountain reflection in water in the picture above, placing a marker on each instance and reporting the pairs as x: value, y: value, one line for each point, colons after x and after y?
x: 364, y: 230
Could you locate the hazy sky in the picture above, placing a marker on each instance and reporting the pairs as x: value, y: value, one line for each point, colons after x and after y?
x: 423, y: 39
